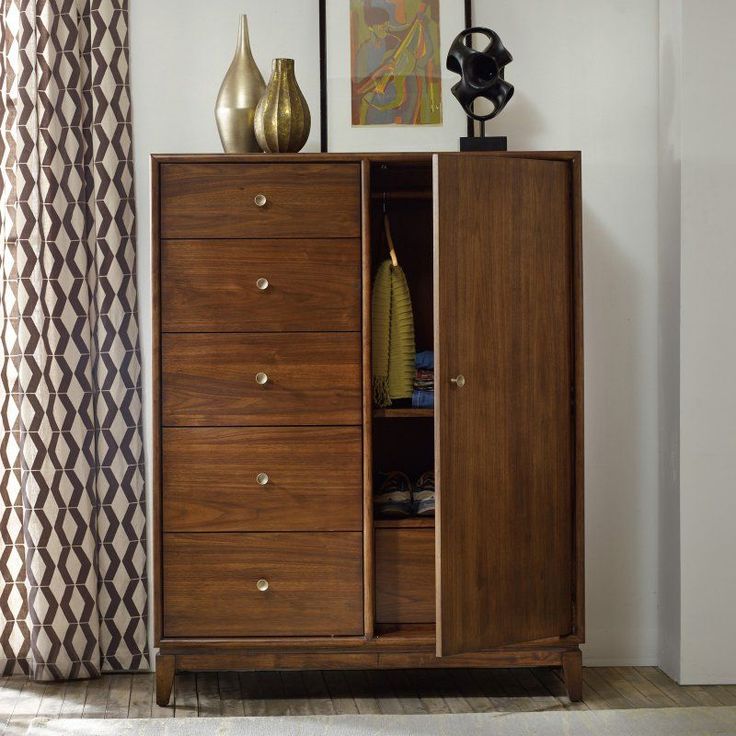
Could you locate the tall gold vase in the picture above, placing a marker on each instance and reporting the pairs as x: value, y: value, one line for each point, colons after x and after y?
x: 240, y: 92
x: 282, y: 116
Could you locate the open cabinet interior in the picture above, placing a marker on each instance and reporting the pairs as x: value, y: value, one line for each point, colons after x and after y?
x: 403, y: 433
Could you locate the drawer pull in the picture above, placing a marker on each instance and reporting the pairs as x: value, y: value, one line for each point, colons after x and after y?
x: 262, y: 479
x: 261, y: 378
x: 262, y: 284
x: 262, y: 585
x: 260, y: 200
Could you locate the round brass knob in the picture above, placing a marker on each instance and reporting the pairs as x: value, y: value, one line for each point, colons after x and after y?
x: 261, y: 378
x: 262, y: 284
x: 262, y: 585
x: 262, y: 479
x: 459, y: 381
x: 260, y: 200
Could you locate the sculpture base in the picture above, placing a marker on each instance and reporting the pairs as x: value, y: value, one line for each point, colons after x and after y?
x: 490, y: 143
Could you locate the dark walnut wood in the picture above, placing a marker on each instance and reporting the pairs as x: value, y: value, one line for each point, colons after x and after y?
x: 211, y: 285
x: 504, y: 441
x: 315, y: 584
x: 572, y: 669
x: 314, y: 479
x: 404, y: 576
x: 210, y: 379
x: 503, y: 286
x: 165, y: 672
x: 217, y: 200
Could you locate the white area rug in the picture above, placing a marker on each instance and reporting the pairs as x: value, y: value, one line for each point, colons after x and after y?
x: 654, y: 722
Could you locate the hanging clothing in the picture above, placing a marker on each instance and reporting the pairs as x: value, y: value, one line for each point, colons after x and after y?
x: 74, y: 597
x: 393, y: 351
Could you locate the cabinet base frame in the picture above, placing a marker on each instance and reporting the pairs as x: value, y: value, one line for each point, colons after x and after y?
x: 201, y: 660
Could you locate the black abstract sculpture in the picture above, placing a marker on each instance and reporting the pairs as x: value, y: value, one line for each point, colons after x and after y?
x: 481, y: 75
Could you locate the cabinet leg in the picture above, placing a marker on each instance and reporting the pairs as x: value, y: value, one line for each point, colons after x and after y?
x: 572, y: 669
x: 165, y: 671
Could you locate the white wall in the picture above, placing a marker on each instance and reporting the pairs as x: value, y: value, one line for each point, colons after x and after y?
x: 708, y: 344
x: 670, y: 197
x: 586, y: 77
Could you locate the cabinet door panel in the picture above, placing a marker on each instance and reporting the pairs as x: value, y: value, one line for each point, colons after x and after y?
x: 504, y: 440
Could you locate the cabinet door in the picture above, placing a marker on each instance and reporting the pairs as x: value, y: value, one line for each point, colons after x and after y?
x: 505, y: 435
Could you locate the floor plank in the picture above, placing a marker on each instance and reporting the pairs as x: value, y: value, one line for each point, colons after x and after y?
x: 95, y: 703
x: 607, y: 696
x: 474, y: 695
x: 230, y: 694
x: 118, y: 696
x: 430, y: 696
x: 210, y: 694
x: 250, y: 690
x: 25, y: 708
x: 667, y: 686
x: 648, y: 689
x: 364, y: 700
x: 340, y: 693
x: 52, y: 700
x: 295, y: 701
x: 555, y: 687
x: 185, y: 695
x: 315, y: 688
x: 141, y: 698
x: 75, y: 697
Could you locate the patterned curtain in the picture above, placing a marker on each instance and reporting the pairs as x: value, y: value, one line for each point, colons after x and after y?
x: 73, y: 552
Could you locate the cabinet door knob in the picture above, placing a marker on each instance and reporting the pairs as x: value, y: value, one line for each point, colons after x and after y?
x: 459, y: 381
x: 262, y: 479
x: 260, y: 200
x: 261, y: 378
x: 262, y: 284
x: 262, y: 585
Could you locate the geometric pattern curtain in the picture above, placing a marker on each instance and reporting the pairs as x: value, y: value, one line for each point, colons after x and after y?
x: 73, y: 600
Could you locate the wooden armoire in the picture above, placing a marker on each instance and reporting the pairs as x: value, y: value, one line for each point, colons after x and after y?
x: 268, y: 554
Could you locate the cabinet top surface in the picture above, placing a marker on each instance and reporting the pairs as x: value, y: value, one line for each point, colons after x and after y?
x: 348, y: 157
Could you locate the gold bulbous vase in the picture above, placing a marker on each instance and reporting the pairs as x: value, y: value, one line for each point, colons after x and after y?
x: 239, y: 95
x: 282, y: 120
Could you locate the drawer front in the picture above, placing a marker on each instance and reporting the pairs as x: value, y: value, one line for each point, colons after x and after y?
x: 315, y: 584
x: 405, y: 576
x: 217, y: 285
x: 219, y: 200
x: 213, y: 479
x: 312, y: 378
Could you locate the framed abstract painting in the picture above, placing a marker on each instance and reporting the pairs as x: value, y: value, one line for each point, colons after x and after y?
x: 384, y: 85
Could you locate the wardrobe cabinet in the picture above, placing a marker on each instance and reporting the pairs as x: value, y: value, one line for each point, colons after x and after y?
x: 268, y: 554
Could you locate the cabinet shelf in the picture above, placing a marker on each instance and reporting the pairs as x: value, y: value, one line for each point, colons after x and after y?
x: 413, y: 522
x: 409, y: 412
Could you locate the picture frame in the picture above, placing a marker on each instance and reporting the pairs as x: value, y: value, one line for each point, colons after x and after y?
x: 337, y: 132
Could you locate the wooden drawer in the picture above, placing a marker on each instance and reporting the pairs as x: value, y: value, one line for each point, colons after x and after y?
x: 315, y: 584
x: 210, y: 379
x: 315, y: 479
x: 210, y: 285
x: 405, y: 576
x: 218, y: 200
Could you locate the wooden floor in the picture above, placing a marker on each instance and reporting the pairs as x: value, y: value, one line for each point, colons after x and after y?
x: 399, y: 692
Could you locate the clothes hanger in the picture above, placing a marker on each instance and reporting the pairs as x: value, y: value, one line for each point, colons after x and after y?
x: 389, y: 238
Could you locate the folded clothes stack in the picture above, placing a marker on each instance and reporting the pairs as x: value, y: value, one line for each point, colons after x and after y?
x: 423, y: 394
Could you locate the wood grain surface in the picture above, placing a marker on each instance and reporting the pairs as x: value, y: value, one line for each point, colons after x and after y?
x: 217, y: 200
x: 314, y: 479
x: 504, y: 442
x: 404, y: 576
x: 210, y: 285
x: 210, y: 379
x: 315, y: 584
